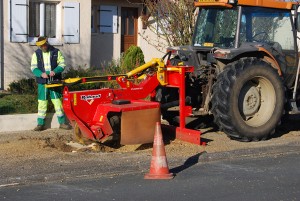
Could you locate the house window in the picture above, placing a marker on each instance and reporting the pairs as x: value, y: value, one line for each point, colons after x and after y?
x: 104, y: 19
x: 42, y: 19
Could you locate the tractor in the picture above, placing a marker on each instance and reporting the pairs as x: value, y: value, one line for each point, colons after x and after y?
x: 246, y: 62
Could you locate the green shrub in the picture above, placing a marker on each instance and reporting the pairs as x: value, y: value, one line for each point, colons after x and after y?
x: 23, y: 86
x: 132, y: 58
x: 82, y: 72
x: 18, y: 104
x: 112, y: 68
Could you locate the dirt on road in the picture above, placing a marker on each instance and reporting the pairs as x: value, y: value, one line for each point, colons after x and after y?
x: 54, y: 141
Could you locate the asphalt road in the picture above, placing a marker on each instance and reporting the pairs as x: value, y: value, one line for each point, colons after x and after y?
x: 273, y: 177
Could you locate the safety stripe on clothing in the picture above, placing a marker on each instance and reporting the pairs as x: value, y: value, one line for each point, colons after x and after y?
x: 42, y: 114
x: 47, y: 66
x: 62, y: 65
x: 33, y: 67
x: 55, y: 96
x: 45, y: 93
x: 58, y: 107
x: 59, y: 113
x: 41, y: 117
x: 58, y: 110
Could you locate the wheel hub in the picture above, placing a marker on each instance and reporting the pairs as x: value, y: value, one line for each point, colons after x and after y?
x: 251, y: 102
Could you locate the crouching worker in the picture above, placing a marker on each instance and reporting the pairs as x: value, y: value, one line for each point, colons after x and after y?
x: 47, y: 63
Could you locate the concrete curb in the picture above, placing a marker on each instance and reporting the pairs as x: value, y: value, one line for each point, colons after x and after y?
x: 22, y: 122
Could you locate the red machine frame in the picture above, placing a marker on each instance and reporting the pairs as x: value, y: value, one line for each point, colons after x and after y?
x: 100, y: 103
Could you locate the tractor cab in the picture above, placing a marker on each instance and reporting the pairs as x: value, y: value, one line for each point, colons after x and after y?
x: 233, y: 32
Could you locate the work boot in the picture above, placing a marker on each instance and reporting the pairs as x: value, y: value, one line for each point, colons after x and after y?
x: 39, y: 128
x: 65, y: 126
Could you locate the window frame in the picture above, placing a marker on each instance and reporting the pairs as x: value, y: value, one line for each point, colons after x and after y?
x: 57, y: 41
x: 266, y: 12
x: 210, y: 44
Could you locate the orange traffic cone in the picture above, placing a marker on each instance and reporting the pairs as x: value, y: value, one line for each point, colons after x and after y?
x: 159, y: 166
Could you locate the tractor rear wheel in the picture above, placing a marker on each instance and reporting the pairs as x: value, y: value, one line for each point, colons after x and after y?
x: 248, y: 100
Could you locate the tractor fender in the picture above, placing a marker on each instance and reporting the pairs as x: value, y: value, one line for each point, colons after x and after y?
x: 270, y: 59
x: 248, y: 51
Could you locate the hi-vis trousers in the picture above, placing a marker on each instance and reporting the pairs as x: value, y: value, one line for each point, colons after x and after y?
x: 55, y: 95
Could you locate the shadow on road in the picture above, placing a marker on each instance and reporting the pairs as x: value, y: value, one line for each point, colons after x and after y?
x: 290, y: 123
x: 191, y: 161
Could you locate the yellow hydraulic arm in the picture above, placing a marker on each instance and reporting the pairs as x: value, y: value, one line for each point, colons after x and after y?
x: 157, y: 63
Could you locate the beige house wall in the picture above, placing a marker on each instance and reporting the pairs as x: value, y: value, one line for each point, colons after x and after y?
x: 94, y: 49
x: 150, y: 43
x: 17, y: 56
x: 107, y: 46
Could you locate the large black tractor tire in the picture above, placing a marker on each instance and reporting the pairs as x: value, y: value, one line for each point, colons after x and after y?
x: 248, y: 100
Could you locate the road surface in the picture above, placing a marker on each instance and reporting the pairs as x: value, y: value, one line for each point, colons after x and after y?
x: 44, y: 166
x: 273, y: 177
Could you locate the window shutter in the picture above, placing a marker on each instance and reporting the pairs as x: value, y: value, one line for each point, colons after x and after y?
x: 71, y: 22
x: 109, y: 19
x: 18, y: 16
